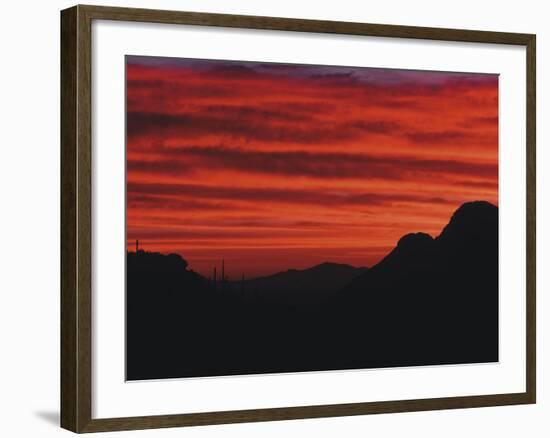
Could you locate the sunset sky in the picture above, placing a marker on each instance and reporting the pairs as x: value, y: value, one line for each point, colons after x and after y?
x: 278, y: 166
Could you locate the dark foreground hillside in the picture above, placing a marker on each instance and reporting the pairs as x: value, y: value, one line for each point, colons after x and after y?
x: 430, y: 301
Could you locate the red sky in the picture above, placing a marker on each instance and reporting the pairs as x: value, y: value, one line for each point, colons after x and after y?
x: 278, y: 166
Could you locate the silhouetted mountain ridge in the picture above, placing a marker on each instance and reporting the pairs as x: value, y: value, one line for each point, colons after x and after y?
x: 429, y: 301
x: 473, y: 226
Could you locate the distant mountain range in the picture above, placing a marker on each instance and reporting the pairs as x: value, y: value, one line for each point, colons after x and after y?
x: 430, y: 301
x: 296, y: 286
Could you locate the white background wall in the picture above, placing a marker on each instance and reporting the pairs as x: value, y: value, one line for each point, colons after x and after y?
x: 29, y: 218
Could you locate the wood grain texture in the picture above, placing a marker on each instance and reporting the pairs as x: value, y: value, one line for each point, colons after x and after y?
x: 300, y: 25
x: 531, y: 310
x: 76, y: 187
x: 303, y: 412
x: 69, y: 328
x: 76, y: 224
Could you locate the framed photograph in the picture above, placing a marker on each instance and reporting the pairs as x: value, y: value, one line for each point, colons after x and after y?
x: 271, y: 218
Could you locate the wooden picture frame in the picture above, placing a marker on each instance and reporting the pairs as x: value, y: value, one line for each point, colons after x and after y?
x: 76, y: 218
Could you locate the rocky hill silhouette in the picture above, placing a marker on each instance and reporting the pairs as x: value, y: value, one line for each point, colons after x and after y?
x: 443, y: 290
x: 430, y: 301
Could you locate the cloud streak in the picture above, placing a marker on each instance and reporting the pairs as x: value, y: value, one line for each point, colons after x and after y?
x: 306, y: 164
x: 314, y: 196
